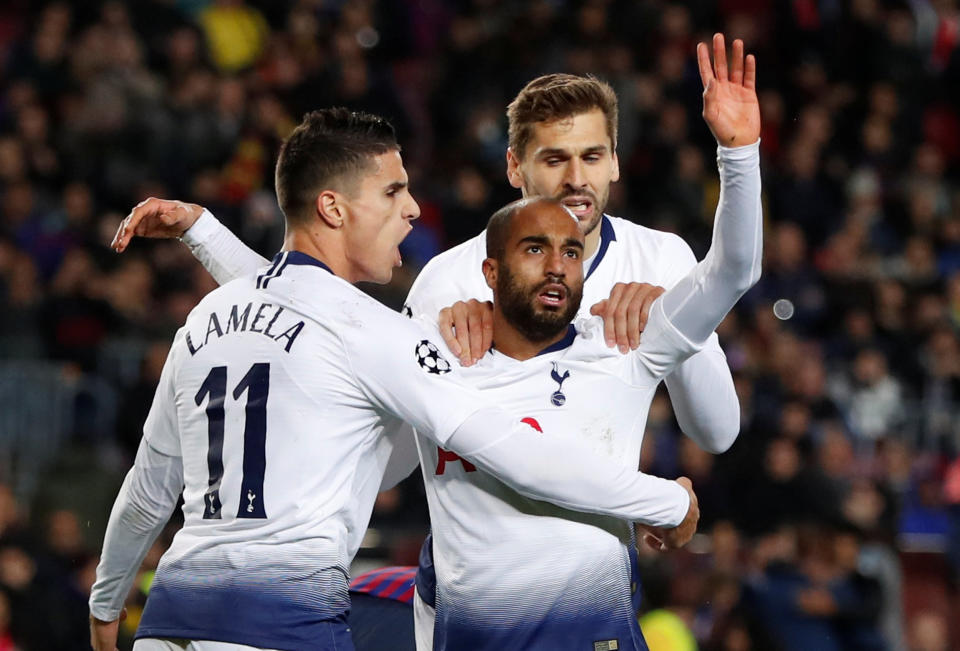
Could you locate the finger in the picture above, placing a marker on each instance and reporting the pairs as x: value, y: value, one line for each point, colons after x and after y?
x: 134, y: 223
x: 750, y: 72
x: 599, y: 308
x: 648, y: 300
x: 115, y: 243
x: 634, y: 327
x: 653, y: 542
x: 461, y: 329
x: 445, y: 323
x: 736, y: 63
x: 474, y: 332
x: 487, y: 326
x: 703, y: 61
x: 609, y: 320
x: 720, y: 57
x: 622, y: 318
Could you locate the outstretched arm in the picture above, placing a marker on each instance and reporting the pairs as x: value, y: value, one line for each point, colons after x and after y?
x: 218, y: 250
x: 688, y: 313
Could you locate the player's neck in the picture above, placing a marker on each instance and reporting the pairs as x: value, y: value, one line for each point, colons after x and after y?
x: 512, y: 343
x: 324, y: 247
x: 591, y: 243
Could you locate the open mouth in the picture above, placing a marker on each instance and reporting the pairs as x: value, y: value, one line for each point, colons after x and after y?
x: 581, y: 206
x: 553, y: 295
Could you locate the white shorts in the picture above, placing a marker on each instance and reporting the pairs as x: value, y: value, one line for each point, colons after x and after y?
x: 424, y: 617
x: 173, y: 644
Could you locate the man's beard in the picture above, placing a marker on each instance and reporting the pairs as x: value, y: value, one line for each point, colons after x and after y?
x: 518, y: 304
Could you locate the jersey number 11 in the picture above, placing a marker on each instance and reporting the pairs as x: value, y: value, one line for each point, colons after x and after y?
x: 257, y: 385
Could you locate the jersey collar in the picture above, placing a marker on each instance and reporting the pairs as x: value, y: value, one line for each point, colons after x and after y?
x: 566, y: 342
x: 299, y: 258
x: 607, y: 235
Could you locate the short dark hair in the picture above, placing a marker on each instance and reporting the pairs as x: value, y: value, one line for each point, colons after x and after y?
x: 555, y: 97
x: 326, y: 151
x: 498, y: 227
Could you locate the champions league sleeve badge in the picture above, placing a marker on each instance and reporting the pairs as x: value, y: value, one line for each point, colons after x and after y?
x: 430, y: 359
x: 557, y: 397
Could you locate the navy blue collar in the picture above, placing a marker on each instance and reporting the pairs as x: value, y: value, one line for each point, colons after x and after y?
x: 566, y: 342
x: 301, y: 258
x: 607, y: 235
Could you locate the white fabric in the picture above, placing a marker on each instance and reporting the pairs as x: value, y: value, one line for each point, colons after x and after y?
x: 498, y: 556
x: 701, y: 389
x: 424, y: 617
x: 221, y: 252
x: 566, y: 471
x: 343, y: 370
x: 146, y: 499
x: 502, y: 557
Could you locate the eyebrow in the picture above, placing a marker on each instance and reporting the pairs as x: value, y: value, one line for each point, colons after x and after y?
x: 560, y: 151
x: 544, y: 240
x: 396, y: 185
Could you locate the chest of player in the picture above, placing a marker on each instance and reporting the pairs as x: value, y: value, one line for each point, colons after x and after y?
x: 564, y: 397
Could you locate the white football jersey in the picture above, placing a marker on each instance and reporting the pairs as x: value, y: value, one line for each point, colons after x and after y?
x: 280, y: 394
x: 511, y: 572
x: 627, y: 253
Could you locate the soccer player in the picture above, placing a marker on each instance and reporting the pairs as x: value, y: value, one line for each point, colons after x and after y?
x: 508, y: 572
x: 563, y: 135
x: 275, y: 416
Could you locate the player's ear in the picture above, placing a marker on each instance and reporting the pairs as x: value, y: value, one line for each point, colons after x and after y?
x: 490, y: 272
x: 330, y: 208
x: 513, y: 169
x: 615, y: 173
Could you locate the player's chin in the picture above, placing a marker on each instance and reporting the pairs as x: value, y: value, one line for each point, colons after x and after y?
x: 590, y: 221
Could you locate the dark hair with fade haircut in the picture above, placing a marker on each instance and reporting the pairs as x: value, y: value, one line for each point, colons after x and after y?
x: 498, y: 226
x: 325, y: 150
x: 555, y: 97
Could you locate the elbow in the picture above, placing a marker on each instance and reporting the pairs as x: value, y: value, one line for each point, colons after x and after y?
x: 745, y: 276
x: 724, y: 439
x: 720, y: 434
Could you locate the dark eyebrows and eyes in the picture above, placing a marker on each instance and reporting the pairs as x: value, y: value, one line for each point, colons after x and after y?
x: 395, y: 187
x: 557, y: 151
x: 543, y: 240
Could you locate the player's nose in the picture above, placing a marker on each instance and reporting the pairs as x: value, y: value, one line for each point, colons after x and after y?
x: 411, y: 210
x: 574, y: 176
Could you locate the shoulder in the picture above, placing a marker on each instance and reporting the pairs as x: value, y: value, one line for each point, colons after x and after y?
x: 590, y: 339
x: 636, y: 233
x: 667, y: 251
x: 473, y: 250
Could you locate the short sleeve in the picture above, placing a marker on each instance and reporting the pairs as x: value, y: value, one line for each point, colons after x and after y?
x: 404, y: 369
x: 161, y: 429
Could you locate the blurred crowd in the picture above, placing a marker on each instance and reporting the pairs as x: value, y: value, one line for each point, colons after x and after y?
x: 832, y: 523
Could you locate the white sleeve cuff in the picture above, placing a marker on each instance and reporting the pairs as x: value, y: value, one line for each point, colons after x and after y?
x: 202, y: 230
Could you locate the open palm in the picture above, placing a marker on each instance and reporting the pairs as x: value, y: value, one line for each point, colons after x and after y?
x: 730, y: 105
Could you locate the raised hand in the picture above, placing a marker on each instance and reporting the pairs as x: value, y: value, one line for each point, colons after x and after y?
x: 158, y: 218
x: 730, y: 105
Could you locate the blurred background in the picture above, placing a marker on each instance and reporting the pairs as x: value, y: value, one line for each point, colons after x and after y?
x: 832, y: 523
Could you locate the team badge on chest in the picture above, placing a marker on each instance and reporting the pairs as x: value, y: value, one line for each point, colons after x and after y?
x: 557, y: 397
